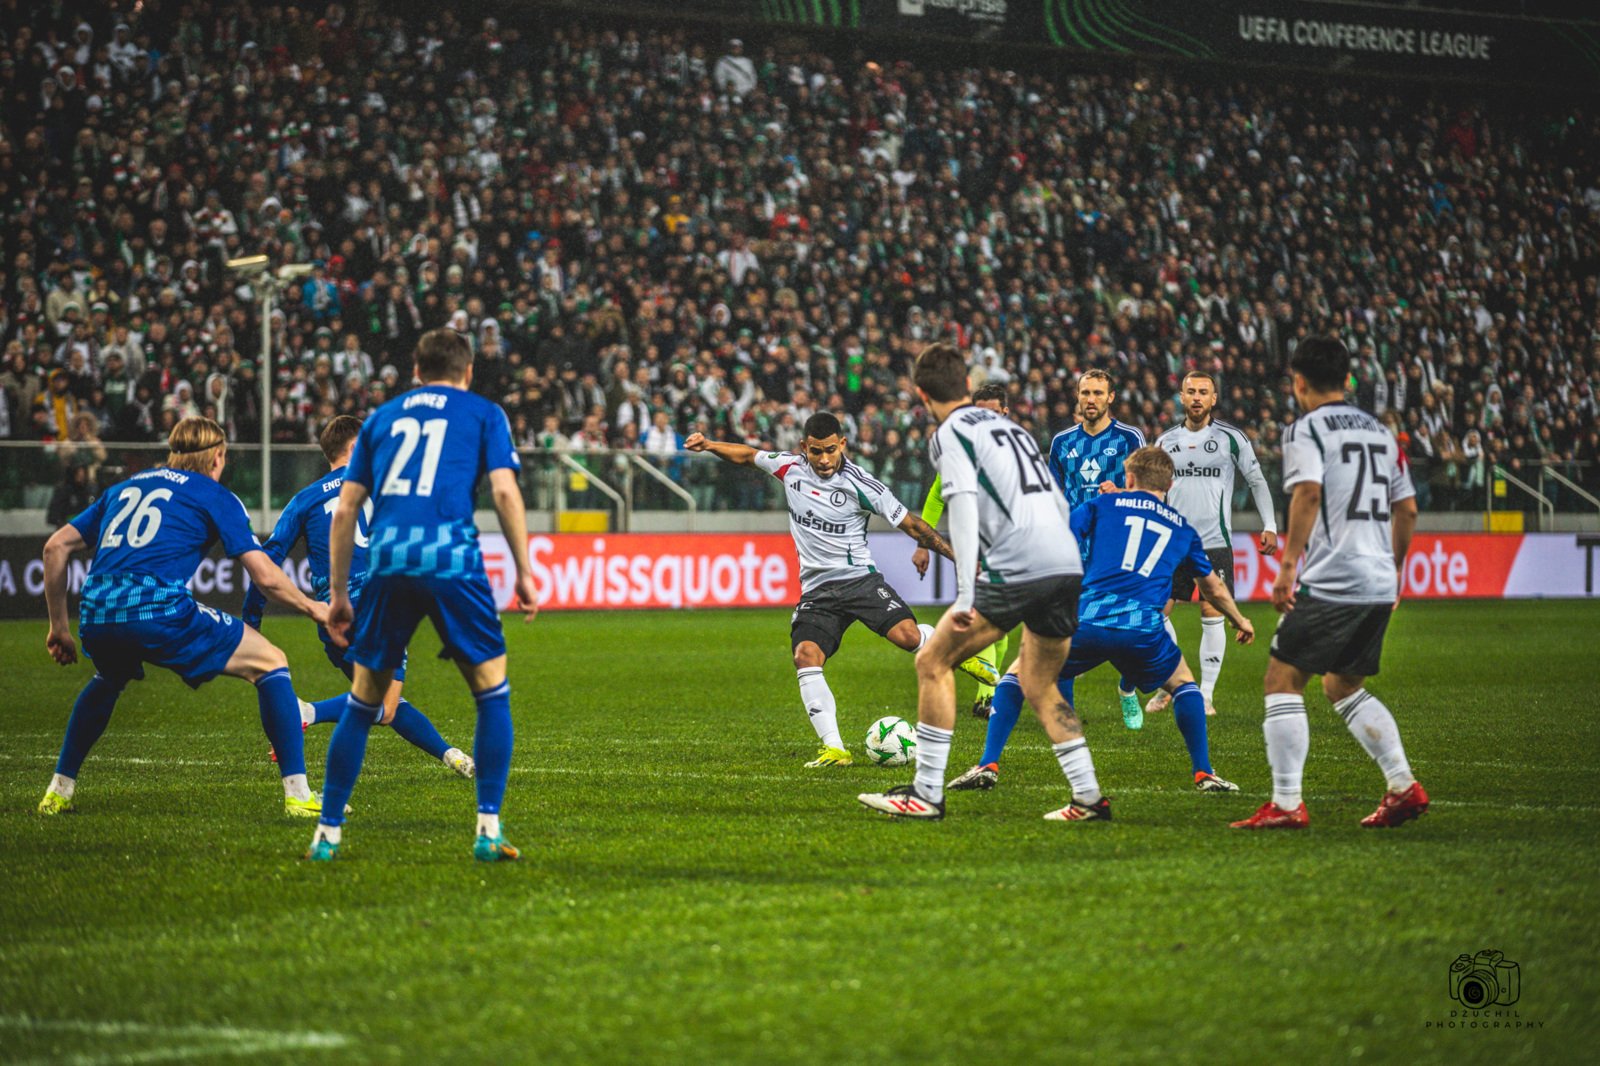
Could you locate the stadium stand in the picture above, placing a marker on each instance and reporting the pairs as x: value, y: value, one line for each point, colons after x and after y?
x: 651, y: 231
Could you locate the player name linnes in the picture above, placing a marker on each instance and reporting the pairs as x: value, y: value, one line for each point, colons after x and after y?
x: 1148, y: 503
x: 426, y: 399
x: 811, y: 521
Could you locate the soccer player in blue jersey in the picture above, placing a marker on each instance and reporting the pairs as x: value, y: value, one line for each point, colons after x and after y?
x: 148, y: 534
x: 1133, y: 543
x: 419, y: 458
x: 309, y: 515
x: 1087, y: 460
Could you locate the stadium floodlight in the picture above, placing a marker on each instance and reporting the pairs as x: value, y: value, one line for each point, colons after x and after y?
x: 254, y: 269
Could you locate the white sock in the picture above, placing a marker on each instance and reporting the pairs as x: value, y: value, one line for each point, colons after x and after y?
x: 927, y: 633
x: 1288, y: 739
x: 933, y: 755
x: 1371, y: 723
x: 330, y: 833
x: 63, y: 786
x: 488, y: 825
x: 818, y: 700
x: 1073, y: 755
x: 1173, y: 633
x: 295, y: 786
x: 1213, y: 645
x: 308, y: 713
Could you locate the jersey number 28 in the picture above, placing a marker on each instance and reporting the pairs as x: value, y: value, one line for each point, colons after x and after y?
x: 410, y: 431
x: 1032, y: 474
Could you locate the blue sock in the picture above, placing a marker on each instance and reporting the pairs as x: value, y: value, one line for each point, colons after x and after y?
x: 1004, y: 710
x: 280, y: 719
x: 1124, y: 685
x: 346, y: 749
x: 1189, y: 711
x: 413, y: 726
x: 90, y: 714
x: 491, y: 748
x: 330, y: 709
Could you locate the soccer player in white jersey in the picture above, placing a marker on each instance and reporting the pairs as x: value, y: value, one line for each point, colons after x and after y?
x: 1206, y: 452
x: 1017, y: 563
x: 830, y: 500
x: 1351, y: 515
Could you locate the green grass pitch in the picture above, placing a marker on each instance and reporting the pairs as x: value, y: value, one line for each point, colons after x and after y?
x: 691, y: 893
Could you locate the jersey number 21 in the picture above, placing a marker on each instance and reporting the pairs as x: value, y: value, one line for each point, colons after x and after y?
x: 411, y: 431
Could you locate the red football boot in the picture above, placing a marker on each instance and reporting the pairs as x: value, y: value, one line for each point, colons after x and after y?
x: 1272, y: 816
x: 1398, y: 808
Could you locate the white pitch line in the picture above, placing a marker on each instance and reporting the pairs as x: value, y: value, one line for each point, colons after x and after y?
x: 733, y: 779
x: 119, y: 760
x: 203, y: 1041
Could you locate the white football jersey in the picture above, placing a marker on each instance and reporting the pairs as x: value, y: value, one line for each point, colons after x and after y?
x: 1350, y: 556
x: 1023, y: 530
x: 828, y: 516
x: 1204, y: 462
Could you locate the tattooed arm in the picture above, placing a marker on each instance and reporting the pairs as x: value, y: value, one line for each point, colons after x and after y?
x: 926, y: 536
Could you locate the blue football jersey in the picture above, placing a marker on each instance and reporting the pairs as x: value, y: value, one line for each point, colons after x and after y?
x: 1132, y: 544
x: 1080, y: 462
x: 421, y: 456
x: 310, y: 515
x: 149, y: 533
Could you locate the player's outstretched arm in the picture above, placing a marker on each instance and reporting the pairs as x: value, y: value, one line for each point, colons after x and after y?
x: 738, y: 454
x: 341, y: 546
x: 963, y: 507
x: 57, y: 552
x: 269, y: 577
x: 1404, y: 518
x: 1303, y: 506
x: 926, y: 537
x: 1216, y: 593
x: 284, y: 535
x: 514, y: 524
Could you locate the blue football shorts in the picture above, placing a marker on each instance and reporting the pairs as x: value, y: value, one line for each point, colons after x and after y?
x: 1146, y: 658
x: 196, y: 645
x: 393, y: 605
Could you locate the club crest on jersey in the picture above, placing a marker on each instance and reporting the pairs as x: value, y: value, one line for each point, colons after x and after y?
x: 1111, y: 449
x: 837, y: 498
x: 1211, y: 445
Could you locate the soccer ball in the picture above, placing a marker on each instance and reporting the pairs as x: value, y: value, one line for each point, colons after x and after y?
x: 892, y: 742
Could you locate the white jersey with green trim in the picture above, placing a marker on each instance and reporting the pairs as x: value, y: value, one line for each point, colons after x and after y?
x: 1023, y: 530
x: 828, y: 516
x: 1350, y: 555
x: 1203, y: 464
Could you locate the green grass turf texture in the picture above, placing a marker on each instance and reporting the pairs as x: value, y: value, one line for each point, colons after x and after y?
x: 691, y: 892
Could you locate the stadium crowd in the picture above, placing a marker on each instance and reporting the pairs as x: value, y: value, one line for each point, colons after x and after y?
x: 652, y: 231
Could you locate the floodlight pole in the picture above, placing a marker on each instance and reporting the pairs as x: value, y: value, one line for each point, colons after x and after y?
x: 270, y: 291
